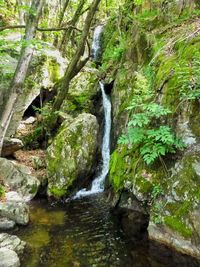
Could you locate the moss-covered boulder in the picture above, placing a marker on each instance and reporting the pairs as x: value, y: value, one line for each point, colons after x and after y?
x: 82, y: 93
x: 72, y: 154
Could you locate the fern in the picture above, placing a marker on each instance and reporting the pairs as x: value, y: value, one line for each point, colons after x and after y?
x: 152, y: 142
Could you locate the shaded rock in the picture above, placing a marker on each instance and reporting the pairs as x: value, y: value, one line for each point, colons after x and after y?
x: 30, y: 120
x: 8, y: 258
x: 18, y: 178
x: 11, y: 145
x: 6, y: 224
x: 72, y: 154
x: 166, y: 236
x: 12, y: 242
x: 14, y: 208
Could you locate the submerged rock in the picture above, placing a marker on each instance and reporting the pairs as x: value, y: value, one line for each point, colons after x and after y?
x: 72, y: 154
x: 18, y: 178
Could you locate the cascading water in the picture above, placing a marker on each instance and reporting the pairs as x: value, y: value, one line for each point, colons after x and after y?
x: 96, y: 44
x: 98, y: 183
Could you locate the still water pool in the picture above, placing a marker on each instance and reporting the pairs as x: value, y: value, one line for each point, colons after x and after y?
x: 84, y: 233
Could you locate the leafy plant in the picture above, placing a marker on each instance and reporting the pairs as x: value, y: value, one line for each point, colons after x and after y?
x: 145, y: 128
x: 2, y: 191
x: 189, y: 79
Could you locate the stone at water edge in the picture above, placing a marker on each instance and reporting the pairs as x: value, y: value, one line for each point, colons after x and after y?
x: 12, y: 242
x: 10, y: 247
x: 14, y: 208
x: 18, y: 178
x: 8, y: 258
x: 6, y: 224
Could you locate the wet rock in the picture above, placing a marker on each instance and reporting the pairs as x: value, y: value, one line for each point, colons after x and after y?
x: 11, y: 145
x: 166, y: 236
x: 18, y: 178
x: 14, y: 208
x: 72, y: 154
x: 9, y: 258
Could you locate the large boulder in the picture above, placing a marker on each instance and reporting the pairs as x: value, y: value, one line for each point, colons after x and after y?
x: 18, y: 178
x: 71, y: 156
x: 46, y: 68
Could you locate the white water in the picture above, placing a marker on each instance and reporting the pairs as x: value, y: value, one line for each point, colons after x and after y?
x: 96, y: 44
x: 98, y: 183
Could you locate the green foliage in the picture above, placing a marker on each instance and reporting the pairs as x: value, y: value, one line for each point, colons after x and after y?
x: 2, y: 191
x: 145, y: 129
x: 189, y: 78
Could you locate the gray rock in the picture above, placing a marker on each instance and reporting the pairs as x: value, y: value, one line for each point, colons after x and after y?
x: 8, y: 258
x: 6, y: 224
x: 11, y: 145
x: 15, y: 209
x: 71, y: 155
x: 12, y: 242
x: 10, y: 246
x: 166, y: 236
x: 18, y: 178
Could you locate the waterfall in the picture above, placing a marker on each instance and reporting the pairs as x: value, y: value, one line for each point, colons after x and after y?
x: 96, y: 44
x: 98, y: 183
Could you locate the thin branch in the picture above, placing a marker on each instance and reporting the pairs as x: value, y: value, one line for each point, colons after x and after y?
x: 38, y: 29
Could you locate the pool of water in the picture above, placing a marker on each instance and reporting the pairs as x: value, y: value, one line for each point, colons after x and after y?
x: 84, y: 233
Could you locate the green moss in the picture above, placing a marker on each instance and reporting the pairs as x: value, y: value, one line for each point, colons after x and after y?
x: 177, y: 225
x: 58, y: 192
x: 117, y: 169
x: 54, y: 70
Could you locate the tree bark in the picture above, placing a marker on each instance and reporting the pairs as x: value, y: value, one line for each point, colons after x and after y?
x: 61, y: 17
x: 22, y: 67
x: 73, y: 22
x: 76, y: 64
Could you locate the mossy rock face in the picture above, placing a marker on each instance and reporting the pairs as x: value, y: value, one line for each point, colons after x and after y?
x: 179, y: 204
x: 82, y: 92
x: 72, y: 154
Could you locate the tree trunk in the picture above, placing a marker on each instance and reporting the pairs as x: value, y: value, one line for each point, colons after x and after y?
x: 73, y: 22
x: 76, y: 64
x: 62, y: 13
x: 22, y: 67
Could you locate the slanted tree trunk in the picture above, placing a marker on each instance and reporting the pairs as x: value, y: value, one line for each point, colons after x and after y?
x: 73, y: 22
x: 61, y: 17
x: 76, y: 63
x: 22, y: 67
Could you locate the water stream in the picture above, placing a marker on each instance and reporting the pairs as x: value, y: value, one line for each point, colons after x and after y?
x: 98, y: 183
